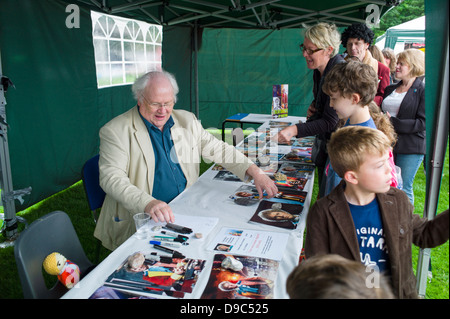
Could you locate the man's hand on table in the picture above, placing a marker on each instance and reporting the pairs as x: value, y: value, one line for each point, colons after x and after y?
x: 262, y: 182
x: 160, y: 211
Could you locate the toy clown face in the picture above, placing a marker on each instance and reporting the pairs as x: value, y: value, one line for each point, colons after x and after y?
x: 54, y: 263
x: 60, y: 262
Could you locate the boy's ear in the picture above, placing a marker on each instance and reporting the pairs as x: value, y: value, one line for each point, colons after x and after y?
x: 351, y: 177
x: 355, y: 98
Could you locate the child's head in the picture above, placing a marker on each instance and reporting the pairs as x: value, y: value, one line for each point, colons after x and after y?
x: 352, y: 77
x: 354, y: 149
x: 335, y: 277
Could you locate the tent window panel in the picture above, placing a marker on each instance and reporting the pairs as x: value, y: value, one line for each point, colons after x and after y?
x: 158, y: 54
x: 115, y: 33
x: 139, y: 36
x: 132, y: 31
x: 122, y: 52
x: 115, y: 50
x: 141, y: 68
x: 159, y: 37
x: 151, y: 35
x: 117, y: 74
x: 130, y: 73
x: 127, y: 33
x: 154, y: 66
x: 101, y: 50
x: 150, y: 49
x: 154, y: 35
x: 99, y: 29
x: 103, y: 74
x: 140, y: 52
x: 128, y: 48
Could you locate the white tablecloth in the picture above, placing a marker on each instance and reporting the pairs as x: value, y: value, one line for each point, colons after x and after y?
x: 265, y: 118
x: 209, y: 198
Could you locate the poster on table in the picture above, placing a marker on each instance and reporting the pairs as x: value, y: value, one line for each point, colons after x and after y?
x: 241, y: 277
x: 280, y: 100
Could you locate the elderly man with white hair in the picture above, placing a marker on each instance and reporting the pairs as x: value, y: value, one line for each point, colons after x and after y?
x: 152, y: 153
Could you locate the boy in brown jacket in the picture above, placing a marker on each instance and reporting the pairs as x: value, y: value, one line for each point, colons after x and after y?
x: 365, y: 219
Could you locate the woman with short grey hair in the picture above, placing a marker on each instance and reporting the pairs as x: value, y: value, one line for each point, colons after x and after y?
x: 320, y: 49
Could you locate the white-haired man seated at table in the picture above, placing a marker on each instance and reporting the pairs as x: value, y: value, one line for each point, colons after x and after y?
x: 151, y: 153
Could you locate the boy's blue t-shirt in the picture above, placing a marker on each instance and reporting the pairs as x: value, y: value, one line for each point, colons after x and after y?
x: 370, y: 234
x: 368, y: 123
x: 331, y: 178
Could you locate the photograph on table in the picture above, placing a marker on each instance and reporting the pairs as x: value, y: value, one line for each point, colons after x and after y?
x: 275, y: 214
x: 253, y: 152
x: 307, y: 141
x: 286, y: 195
x: 252, y: 145
x: 105, y: 292
x: 290, y: 183
x: 270, y: 168
x: 241, y: 277
x: 245, y: 191
x: 258, y: 138
x: 297, y: 156
x: 276, y: 157
x: 290, y: 197
x: 226, y: 176
x: 296, y: 169
x: 149, y: 273
x: 278, y: 124
x: 218, y: 167
x: 301, y: 151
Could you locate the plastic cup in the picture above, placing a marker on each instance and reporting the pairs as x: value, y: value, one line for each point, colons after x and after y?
x: 141, y: 221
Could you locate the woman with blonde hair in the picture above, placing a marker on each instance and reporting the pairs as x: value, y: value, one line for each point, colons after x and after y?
x: 404, y: 104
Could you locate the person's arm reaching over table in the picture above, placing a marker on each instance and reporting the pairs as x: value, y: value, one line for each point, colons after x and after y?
x: 262, y: 182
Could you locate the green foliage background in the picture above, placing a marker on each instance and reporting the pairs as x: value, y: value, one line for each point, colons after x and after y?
x: 406, y: 11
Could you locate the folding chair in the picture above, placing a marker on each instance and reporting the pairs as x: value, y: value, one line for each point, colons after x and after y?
x: 53, y: 232
x: 94, y: 193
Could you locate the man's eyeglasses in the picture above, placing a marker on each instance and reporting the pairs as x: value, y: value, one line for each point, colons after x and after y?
x: 308, y: 51
x: 155, y: 105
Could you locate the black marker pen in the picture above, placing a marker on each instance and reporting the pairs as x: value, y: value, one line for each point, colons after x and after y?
x: 163, y: 259
x: 178, y: 228
x: 175, y: 254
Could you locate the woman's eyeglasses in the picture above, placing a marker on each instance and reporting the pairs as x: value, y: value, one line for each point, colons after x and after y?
x: 308, y: 51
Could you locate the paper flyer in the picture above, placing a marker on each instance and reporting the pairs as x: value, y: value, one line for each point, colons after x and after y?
x: 198, y: 224
x: 253, y: 243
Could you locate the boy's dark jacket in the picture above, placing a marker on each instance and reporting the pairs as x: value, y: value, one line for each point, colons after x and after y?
x: 330, y: 230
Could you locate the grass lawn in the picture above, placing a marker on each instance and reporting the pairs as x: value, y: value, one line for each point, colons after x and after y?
x: 73, y: 202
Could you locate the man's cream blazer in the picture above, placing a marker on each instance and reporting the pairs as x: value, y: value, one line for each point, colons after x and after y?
x: 127, y: 166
